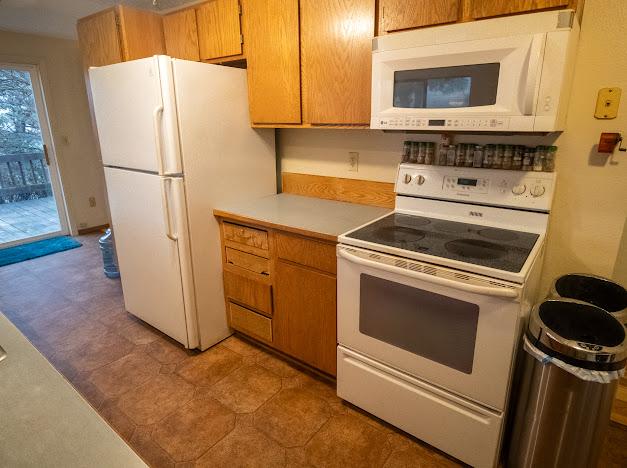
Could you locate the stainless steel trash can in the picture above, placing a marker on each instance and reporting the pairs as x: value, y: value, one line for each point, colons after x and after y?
x: 596, y: 290
x: 574, y: 354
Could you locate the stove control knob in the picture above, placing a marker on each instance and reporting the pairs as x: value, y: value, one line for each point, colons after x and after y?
x: 537, y: 190
x: 420, y: 180
x: 407, y: 178
x: 519, y: 189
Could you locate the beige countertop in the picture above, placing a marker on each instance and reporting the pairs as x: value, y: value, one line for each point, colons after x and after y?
x: 324, y: 219
x: 43, y: 420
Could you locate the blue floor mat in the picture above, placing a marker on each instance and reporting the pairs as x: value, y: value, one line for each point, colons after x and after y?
x: 23, y: 252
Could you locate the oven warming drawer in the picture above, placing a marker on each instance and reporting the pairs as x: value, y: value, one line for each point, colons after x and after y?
x: 456, y: 426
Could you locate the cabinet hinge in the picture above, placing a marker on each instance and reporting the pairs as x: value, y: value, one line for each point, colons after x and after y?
x: 241, y: 38
x: 239, y: 8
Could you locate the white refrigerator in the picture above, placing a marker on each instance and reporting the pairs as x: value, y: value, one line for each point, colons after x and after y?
x: 176, y: 140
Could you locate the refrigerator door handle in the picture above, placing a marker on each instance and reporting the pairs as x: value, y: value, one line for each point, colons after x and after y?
x: 157, y: 115
x: 166, y: 208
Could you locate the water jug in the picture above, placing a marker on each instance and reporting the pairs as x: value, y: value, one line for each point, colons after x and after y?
x: 107, y: 247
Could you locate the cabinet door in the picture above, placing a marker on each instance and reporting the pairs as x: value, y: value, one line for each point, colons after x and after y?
x: 273, y: 56
x: 99, y: 40
x: 487, y: 8
x: 336, y: 54
x: 142, y: 33
x: 219, y: 30
x: 305, y: 315
x: 395, y: 15
x: 181, y: 35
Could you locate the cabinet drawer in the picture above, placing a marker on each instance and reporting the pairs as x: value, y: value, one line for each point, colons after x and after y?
x: 311, y: 253
x: 246, y: 235
x: 248, y: 261
x: 249, y: 292
x: 250, y: 322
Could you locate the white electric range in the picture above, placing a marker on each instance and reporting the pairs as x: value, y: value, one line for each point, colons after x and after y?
x: 432, y: 299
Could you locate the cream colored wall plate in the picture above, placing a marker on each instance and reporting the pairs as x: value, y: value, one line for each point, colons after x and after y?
x: 608, y: 102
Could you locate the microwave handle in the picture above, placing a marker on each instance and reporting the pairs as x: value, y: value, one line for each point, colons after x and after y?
x: 483, y: 290
x: 536, y: 52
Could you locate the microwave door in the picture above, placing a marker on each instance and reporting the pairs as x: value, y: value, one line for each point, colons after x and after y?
x: 467, y: 85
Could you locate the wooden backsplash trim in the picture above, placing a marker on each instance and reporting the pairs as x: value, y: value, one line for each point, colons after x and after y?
x: 364, y: 192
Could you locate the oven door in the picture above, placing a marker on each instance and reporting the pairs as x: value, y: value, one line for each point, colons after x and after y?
x: 456, y: 331
x: 460, y: 85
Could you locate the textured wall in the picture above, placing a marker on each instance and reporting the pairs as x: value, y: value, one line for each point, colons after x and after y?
x: 591, y: 200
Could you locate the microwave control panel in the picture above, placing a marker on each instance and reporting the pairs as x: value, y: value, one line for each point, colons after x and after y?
x: 518, y: 189
x: 417, y: 123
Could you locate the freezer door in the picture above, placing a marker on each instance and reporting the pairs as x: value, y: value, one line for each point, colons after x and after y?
x: 145, y: 225
x: 135, y: 115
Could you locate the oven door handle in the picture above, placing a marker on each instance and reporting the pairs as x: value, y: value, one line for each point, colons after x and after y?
x: 483, y: 290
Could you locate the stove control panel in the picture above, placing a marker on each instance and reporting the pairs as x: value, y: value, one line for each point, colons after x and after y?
x: 517, y: 189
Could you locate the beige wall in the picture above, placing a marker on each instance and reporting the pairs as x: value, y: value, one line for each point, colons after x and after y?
x: 81, y: 170
x: 591, y: 199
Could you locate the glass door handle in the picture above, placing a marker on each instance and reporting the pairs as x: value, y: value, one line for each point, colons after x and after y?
x: 46, y: 155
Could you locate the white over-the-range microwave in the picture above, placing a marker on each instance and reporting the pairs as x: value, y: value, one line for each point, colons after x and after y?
x: 509, y: 74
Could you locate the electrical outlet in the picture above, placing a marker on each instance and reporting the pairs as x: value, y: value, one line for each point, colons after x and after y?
x: 353, y: 161
x: 92, y: 201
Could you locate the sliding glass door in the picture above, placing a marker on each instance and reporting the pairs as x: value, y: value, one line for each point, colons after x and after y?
x: 32, y: 205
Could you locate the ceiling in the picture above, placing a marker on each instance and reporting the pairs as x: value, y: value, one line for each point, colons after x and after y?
x: 57, y: 18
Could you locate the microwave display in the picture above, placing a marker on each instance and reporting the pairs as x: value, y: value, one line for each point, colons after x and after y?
x: 447, y: 87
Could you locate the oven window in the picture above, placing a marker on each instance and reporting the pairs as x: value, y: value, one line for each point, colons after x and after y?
x: 436, y: 327
x: 447, y: 87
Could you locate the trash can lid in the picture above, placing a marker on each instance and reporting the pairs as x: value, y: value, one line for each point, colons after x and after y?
x: 578, y: 333
x: 596, y: 290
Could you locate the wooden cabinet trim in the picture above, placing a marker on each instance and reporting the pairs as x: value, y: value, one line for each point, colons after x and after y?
x: 364, y: 192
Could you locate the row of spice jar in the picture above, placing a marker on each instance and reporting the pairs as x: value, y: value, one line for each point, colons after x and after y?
x: 512, y: 157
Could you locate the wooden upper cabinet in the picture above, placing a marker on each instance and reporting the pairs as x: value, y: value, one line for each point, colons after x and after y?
x: 273, y: 56
x: 396, y: 15
x: 99, y: 40
x: 336, y: 45
x: 219, y: 29
x: 141, y: 33
x: 181, y: 35
x: 119, y: 34
x: 488, y: 8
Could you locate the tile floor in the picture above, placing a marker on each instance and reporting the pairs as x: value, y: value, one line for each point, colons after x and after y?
x: 23, y: 219
x: 233, y: 405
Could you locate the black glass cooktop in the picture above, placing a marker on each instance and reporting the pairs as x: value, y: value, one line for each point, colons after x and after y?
x: 471, y: 243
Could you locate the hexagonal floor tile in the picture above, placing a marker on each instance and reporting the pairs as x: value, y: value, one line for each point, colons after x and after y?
x: 194, y: 428
x: 125, y: 374
x: 210, y: 366
x: 247, y: 388
x: 292, y: 416
x: 244, y: 447
x: 346, y: 441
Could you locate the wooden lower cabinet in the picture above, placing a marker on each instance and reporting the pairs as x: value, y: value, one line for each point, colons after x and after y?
x: 282, y: 292
x: 305, y: 320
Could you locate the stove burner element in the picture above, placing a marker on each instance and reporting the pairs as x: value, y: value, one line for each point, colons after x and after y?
x: 498, y: 234
x: 471, y: 248
x: 451, y: 226
x: 399, y: 234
